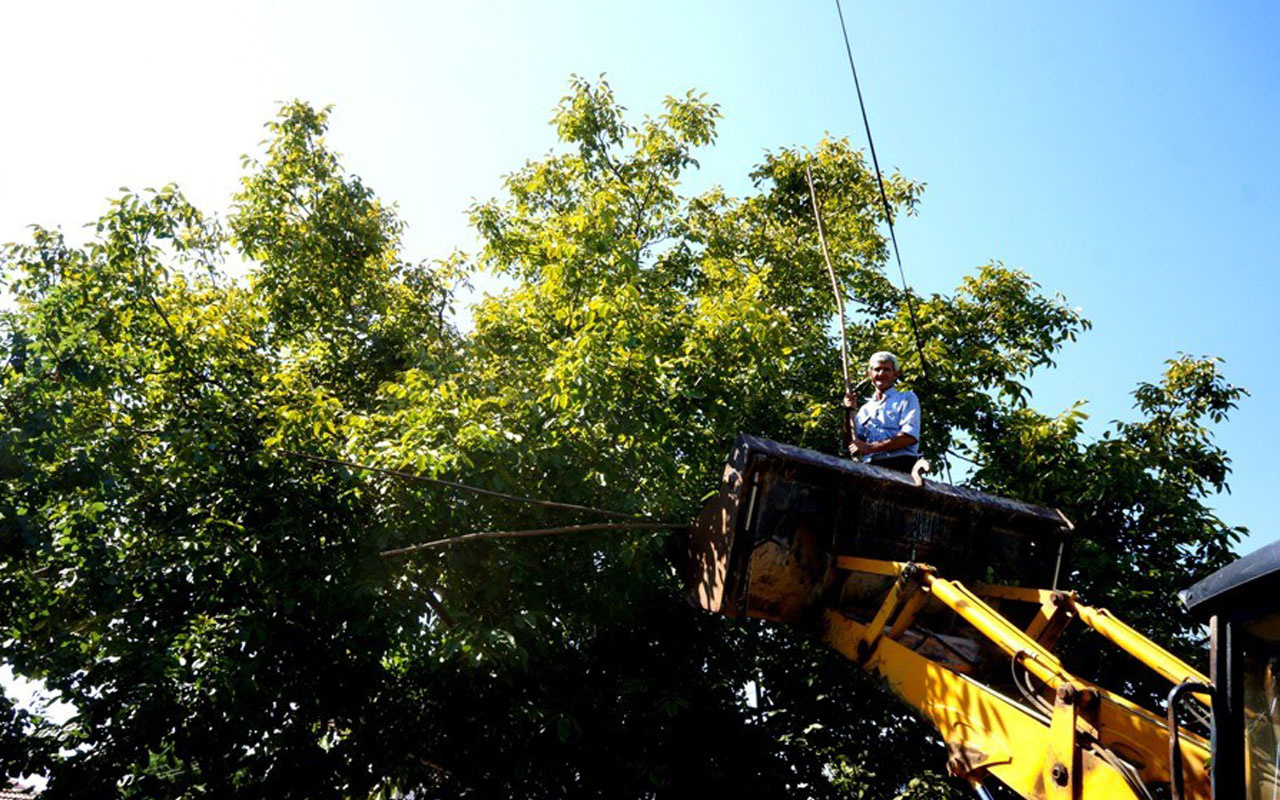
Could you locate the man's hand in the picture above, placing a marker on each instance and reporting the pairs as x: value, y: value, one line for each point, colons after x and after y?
x: 860, y: 448
x: 857, y: 447
x: 902, y: 440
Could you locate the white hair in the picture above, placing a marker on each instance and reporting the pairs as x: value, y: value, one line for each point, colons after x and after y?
x: 881, y: 357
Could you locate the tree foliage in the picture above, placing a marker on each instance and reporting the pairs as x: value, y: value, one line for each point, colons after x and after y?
x: 217, y: 611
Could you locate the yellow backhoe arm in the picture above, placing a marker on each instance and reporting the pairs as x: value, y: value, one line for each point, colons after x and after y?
x: 1064, y: 738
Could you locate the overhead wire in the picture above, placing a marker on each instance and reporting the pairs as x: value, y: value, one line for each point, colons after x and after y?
x: 888, y: 214
x: 884, y: 197
x: 640, y: 521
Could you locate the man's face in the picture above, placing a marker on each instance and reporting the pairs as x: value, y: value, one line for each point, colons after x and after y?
x: 882, y: 375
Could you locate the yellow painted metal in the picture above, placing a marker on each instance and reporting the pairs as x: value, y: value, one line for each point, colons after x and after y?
x: 904, y: 588
x: 908, y: 614
x: 1174, y: 669
x: 871, y: 565
x: 1052, y: 618
x: 1020, y: 593
x: 987, y: 734
x: 1000, y: 631
x: 1093, y: 738
x: 1123, y: 726
x: 1061, y: 769
x: 871, y: 634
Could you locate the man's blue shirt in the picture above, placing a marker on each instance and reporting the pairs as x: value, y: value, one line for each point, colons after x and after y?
x: 878, y: 420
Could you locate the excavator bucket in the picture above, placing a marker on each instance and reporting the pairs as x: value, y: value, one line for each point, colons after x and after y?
x: 766, y: 544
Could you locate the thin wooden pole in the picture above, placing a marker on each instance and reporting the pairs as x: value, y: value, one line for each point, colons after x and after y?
x: 835, y: 284
x: 594, y: 526
x: 413, y: 476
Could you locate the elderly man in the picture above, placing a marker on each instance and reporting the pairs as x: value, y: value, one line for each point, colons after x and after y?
x: 886, y: 430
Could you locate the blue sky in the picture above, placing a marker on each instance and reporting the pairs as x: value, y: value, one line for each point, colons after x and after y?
x: 1122, y: 153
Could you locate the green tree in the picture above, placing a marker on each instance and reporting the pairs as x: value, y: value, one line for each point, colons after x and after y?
x: 218, y: 612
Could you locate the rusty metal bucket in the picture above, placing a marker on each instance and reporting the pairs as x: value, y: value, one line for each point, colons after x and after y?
x: 766, y: 544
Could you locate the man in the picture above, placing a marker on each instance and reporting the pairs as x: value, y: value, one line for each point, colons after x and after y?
x: 886, y: 430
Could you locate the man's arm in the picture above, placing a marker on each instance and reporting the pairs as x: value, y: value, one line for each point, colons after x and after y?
x: 907, y: 435
x: 896, y: 442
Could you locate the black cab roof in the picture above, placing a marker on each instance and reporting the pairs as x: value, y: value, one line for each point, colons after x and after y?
x: 1244, y: 590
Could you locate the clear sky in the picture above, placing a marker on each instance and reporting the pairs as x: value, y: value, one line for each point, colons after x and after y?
x: 1122, y: 153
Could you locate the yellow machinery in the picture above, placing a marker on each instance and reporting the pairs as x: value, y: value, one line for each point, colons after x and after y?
x: 923, y: 585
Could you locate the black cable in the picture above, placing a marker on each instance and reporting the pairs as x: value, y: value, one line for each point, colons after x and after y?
x: 884, y: 198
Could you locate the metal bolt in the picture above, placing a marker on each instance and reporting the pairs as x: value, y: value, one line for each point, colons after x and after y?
x: 1060, y: 774
x: 1066, y: 693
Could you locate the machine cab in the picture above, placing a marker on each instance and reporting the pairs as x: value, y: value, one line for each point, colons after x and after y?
x: 1241, y: 604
